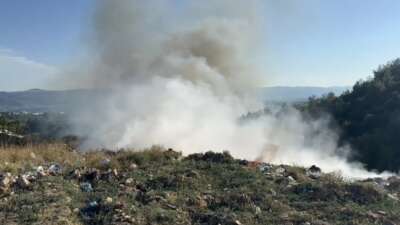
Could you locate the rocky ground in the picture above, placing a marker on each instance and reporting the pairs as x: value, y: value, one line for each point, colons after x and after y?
x: 55, y: 185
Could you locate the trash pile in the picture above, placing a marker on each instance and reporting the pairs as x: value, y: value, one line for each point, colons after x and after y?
x: 162, y: 187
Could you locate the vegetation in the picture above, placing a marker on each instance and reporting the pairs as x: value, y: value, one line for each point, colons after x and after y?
x: 34, y: 127
x: 161, y: 186
x: 368, y: 117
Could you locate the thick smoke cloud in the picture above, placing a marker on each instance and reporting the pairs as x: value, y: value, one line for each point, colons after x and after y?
x: 182, y: 75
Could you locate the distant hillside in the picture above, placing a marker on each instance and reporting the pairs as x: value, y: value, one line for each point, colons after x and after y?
x: 297, y: 94
x: 37, y: 100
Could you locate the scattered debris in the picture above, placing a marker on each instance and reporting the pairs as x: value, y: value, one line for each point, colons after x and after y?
x: 105, y: 162
x: 314, y: 172
x: 86, y: 187
x: 55, y: 170
x: 23, y: 181
x: 280, y: 170
x: 264, y: 167
x: 6, y: 181
x: 393, y: 196
x: 91, y: 175
x: 76, y: 174
x: 190, y: 192
x: 40, y: 171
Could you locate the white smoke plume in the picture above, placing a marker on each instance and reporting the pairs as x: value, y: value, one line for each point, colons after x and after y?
x: 182, y: 75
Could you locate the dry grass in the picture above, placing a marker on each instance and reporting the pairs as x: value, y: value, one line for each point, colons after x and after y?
x: 15, y: 158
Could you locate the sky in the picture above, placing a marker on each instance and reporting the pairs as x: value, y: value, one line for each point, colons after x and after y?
x: 308, y: 42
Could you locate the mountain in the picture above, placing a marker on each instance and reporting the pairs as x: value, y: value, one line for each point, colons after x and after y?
x: 37, y: 100
x: 298, y: 93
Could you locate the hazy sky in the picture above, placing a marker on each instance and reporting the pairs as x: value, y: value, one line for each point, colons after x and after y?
x: 308, y: 42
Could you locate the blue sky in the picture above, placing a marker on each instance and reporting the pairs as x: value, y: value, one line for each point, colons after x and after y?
x: 308, y: 42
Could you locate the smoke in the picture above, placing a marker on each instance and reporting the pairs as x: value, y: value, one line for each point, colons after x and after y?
x: 182, y: 75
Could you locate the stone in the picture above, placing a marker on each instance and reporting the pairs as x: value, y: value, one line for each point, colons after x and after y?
x: 109, y: 200
x: 133, y: 166
x: 129, y: 181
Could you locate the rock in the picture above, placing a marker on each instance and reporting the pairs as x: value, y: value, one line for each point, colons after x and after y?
x: 237, y: 222
x: 258, y: 210
x: 23, y: 181
x: 86, y: 187
x: 133, y: 166
x: 109, y: 200
x: 129, y: 181
x: 55, y: 170
x: 314, y: 172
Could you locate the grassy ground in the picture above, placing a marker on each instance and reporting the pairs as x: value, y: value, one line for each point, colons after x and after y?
x: 161, y: 187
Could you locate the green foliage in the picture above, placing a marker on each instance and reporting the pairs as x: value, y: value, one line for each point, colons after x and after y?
x: 368, y: 117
